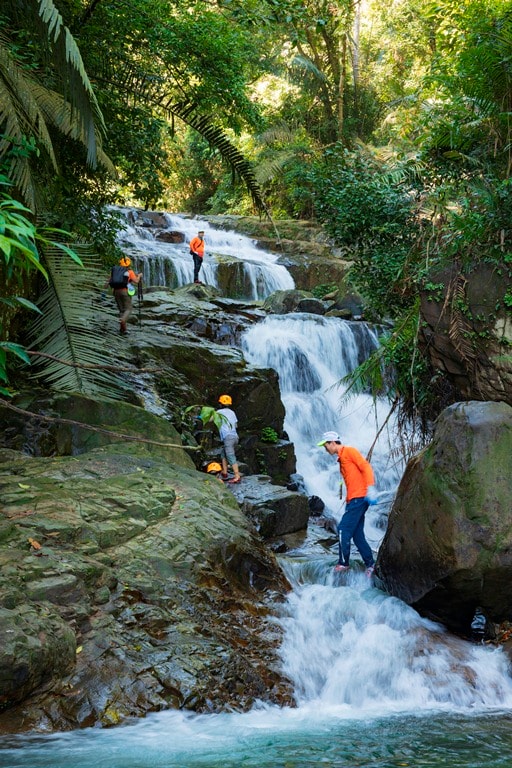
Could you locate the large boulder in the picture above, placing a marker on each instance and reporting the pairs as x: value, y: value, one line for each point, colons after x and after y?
x: 129, y: 585
x: 448, y: 546
x: 283, y: 302
x: 275, y: 511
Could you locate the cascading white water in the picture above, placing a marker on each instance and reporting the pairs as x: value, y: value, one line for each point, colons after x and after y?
x: 257, y: 273
x: 352, y: 647
x: 311, y: 354
x: 347, y: 645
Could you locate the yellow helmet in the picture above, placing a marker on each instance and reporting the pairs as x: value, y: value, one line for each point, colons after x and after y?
x: 125, y: 261
x: 214, y: 466
x: 225, y: 400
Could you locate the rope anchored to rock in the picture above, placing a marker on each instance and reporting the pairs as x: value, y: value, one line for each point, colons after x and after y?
x: 110, y: 432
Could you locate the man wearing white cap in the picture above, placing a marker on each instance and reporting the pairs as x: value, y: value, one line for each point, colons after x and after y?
x: 360, y: 484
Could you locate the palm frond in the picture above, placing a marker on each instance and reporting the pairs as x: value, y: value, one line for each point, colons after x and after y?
x: 74, y: 327
x: 217, y: 138
x: 65, y: 56
x: 57, y: 110
x: 135, y: 84
x: 27, y: 108
x: 459, y: 330
x: 307, y: 66
x: 270, y: 168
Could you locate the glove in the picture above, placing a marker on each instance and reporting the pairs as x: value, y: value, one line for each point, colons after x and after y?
x: 371, y: 495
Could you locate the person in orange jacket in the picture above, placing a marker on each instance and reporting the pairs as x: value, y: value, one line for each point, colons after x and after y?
x: 197, y: 252
x: 360, y: 484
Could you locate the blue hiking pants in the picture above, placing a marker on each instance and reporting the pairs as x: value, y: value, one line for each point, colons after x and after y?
x: 351, y: 527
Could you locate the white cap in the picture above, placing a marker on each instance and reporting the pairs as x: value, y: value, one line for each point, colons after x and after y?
x: 329, y: 437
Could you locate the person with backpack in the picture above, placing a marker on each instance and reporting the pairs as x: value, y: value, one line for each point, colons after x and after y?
x: 196, y: 246
x: 229, y: 437
x: 122, y: 281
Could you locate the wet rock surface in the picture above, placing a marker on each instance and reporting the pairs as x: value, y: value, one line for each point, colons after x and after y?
x: 274, y: 511
x: 131, y: 584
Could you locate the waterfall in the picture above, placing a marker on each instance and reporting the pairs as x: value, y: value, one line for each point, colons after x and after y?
x: 376, y: 685
x: 311, y: 354
x: 347, y: 645
x: 232, y: 261
x: 351, y: 647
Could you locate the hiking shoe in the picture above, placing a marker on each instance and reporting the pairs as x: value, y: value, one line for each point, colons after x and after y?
x: 369, y: 571
x: 341, y: 567
x: 224, y: 476
x: 234, y: 480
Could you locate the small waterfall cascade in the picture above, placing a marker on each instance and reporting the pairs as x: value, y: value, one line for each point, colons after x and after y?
x: 232, y: 261
x: 311, y: 354
x: 351, y: 647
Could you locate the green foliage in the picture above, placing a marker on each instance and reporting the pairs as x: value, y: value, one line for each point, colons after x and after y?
x: 359, y: 200
x: 22, y: 245
x: 365, y: 209
x: 161, y: 65
x: 319, y: 291
x: 47, y: 89
x: 269, y: 435
x: 207, y: 415
x: 400, y: 370
x: 74, y: 346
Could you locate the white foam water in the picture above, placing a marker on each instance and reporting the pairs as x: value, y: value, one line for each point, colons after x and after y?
x: 256, y: 271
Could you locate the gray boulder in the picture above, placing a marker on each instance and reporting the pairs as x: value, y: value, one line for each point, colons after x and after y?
x: 448, y: 546
x: 274, y: 510
x: 283, y: 302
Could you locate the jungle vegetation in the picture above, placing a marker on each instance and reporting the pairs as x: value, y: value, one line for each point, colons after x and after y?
x: 389, y: 123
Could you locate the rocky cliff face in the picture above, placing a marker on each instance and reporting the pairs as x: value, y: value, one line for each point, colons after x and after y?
x: 467, y: 330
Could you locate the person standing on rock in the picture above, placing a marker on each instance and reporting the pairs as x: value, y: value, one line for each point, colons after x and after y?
x: 197, y: 252
x: 122, y: 281
x: 359, y: 481
x: 229, y: 437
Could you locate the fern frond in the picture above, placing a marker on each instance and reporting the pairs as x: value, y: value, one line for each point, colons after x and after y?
x: 75, y: 327
x: 367, y: 377
x: 280, y: 133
